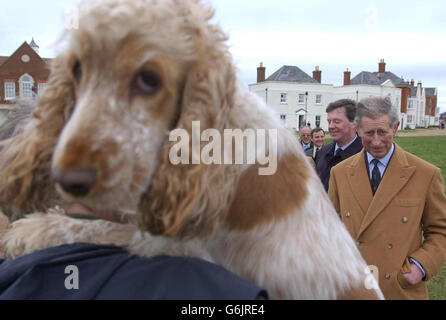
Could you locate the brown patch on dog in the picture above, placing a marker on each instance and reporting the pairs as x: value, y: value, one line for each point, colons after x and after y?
x: 262, y: 199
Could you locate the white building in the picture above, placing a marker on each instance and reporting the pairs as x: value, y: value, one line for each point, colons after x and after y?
x: 300, y: 99
x: 297, y: 97
x: 361, y: 91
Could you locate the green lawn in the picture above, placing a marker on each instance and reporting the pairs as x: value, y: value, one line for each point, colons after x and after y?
x: 433, y: 150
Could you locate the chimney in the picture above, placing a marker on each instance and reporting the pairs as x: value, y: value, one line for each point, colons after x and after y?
x: 317, y: 74
x: 347, y: 76
x: 412, y: 83
x: 261, y: 73
x: 382, y: 66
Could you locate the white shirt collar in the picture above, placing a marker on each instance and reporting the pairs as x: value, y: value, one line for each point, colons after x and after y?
x: 385, y: 160
x: 346, y: 146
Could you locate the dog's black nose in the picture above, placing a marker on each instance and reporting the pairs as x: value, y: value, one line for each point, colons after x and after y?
x: 77, y: 182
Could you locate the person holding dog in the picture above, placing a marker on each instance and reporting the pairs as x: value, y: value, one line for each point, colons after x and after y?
x: 70, y: 271
x: 393, y: 204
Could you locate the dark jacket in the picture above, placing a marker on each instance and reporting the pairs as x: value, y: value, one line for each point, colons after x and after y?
x: 325, y: 159
x: 302, y: 145
x: 309, y: 152
x: 107, y: 272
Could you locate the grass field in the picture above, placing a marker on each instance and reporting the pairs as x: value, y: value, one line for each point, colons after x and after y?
x: 433, y: 150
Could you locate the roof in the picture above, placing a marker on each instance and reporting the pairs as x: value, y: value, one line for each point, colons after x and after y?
x: 3, y: 59
x: 291, y: 74
x: 376, y: 78
x: 430, y: 92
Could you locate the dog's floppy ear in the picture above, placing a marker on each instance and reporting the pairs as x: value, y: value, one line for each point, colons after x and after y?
x: 189, y: 199
x: 25, y: 159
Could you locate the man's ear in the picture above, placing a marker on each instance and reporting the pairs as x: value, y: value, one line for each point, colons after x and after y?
x: 355, y: 126
x: 395, y: 129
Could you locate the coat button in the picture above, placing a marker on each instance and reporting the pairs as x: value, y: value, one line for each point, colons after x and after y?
x: 404, y: 220
x: 358, y: 243
x: 348, y: 215
x: 389, y: 246
x: 387, y: 276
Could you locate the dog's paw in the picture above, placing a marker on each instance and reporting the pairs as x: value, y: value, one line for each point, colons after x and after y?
x: 40, y: 231
x: 32, y: 233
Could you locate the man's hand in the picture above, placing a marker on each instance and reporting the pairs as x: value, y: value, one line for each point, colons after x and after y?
x: 415, y: 276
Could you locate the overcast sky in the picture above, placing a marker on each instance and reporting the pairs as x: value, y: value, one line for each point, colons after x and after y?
x: 332, y: 34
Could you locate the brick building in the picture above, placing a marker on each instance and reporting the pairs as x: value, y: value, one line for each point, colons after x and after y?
x: 23, y: 74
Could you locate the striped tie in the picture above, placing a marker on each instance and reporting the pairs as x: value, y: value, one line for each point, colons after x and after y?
x: 376, y: 176
x: 337, y: 152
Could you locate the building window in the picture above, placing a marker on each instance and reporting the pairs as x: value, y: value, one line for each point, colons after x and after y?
x: 283, y: 97
x: 318, y: 99
x: 301, y: 98
x: 410, y: 119
x: 9, y: 90
x: 26, y: 87
x: 283, y: 118
x: 411, y: 105
x: 318, y: 121
x: 40, y: 88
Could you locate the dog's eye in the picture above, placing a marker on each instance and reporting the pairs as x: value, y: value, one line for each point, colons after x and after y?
x: 147, y: 83
x: 77, y: 72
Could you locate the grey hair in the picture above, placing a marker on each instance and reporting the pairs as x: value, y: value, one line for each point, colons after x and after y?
x: 374, y: 107
x: 17, y: 119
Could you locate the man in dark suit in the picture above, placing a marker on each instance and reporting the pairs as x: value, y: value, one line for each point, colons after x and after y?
x: 318, y: 140
x: 346, y: 142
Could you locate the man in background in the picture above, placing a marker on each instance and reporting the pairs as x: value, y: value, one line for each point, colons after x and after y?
x: 305, y: 138
x: 318, y: 140
x: 340, y: 116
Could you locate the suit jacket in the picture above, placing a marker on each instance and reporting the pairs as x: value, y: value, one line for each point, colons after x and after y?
x: 325, y: 159
x: 302, y: 145
x: 309, y: 152
x: 388, y: 226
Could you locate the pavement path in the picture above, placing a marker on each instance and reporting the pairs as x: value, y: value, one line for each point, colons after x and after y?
x: 423, y: 133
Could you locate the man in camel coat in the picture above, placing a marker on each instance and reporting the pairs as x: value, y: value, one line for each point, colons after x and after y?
x: 396, y: 212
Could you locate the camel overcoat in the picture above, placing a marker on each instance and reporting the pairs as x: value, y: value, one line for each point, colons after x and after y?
x: 388, y: 227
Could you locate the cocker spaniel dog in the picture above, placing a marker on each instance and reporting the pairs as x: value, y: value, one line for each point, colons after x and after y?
x: 132, y: 73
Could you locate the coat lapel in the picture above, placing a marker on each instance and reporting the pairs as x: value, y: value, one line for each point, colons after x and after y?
x: 396, y: 177
x: 357, y: 174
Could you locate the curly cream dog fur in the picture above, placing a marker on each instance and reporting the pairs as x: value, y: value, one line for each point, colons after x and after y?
x: 131, y: 73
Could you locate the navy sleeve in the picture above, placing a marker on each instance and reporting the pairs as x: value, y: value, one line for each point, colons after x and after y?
x: 107, y: 272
